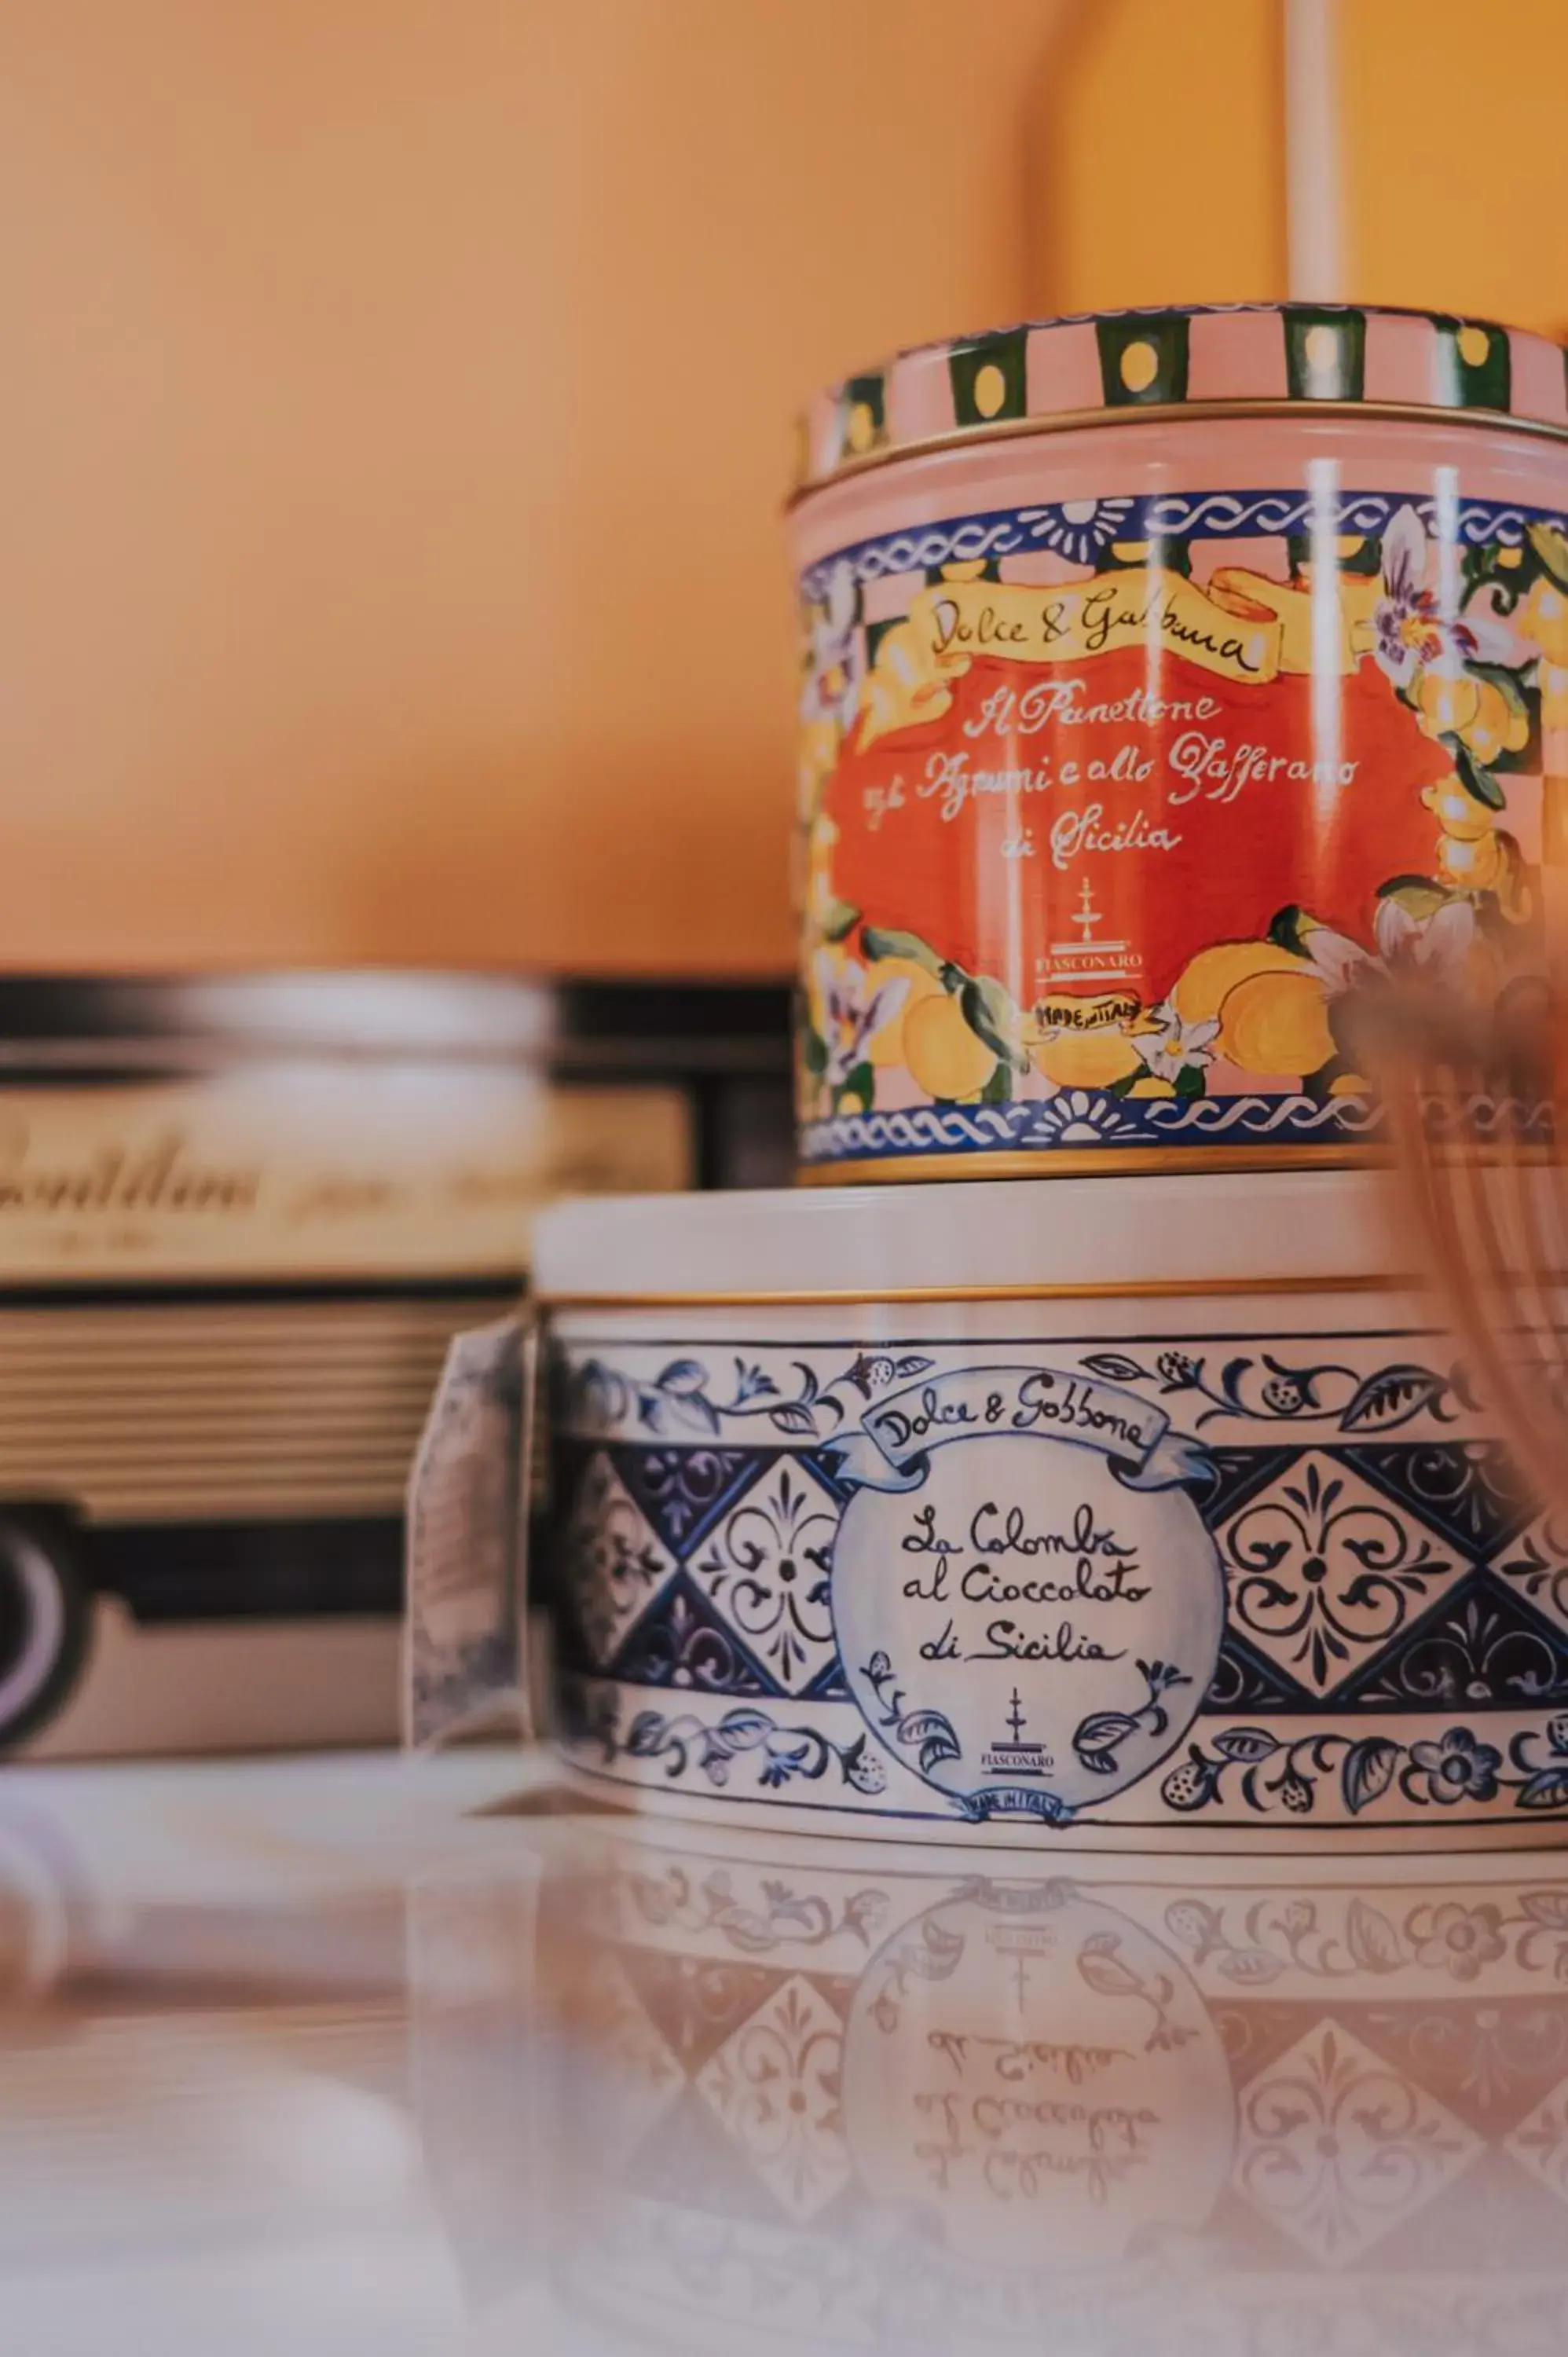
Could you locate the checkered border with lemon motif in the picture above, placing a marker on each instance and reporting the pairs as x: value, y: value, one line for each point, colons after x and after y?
x: 1126, y: 360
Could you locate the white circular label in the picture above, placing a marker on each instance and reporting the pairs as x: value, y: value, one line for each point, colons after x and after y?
x: 1021, y: 1623
x: 1039, y: 2078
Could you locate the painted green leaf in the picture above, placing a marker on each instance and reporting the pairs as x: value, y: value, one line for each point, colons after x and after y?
x: 1098, y: 1737
x: 1285, y: 929
x: 1419, y: 894
x: 1548, y: 1789
x: 1117, y: 1367
x: 1251, y: 1967
x: 989, y: 1011
x: 886, y: 941
x: 1478, y: 566
x: 1369, y: 1771
x: 1551, y: 548
x: 842, y: 919
x: 1546, y: 1907
x: 1247, y: 1744
x: 1507, y: 681
x: 1477, y: 781
x: 860, y: 1082
x: 1392, y: 1396
x: 1371, y: 1938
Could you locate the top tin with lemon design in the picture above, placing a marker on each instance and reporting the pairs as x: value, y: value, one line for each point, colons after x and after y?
x: 1163, y: 673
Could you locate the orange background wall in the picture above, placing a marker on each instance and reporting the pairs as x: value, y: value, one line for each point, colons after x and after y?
x: 398, y: 405
x: 1161, y: 173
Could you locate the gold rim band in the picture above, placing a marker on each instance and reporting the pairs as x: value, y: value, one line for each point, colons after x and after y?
x: 1165, y: 412
x: 1106, y: 1162
x: 1089, y: 1162
x: 1151, y: 1288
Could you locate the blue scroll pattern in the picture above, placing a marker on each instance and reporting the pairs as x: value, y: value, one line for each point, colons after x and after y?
x: 1396, y: 1633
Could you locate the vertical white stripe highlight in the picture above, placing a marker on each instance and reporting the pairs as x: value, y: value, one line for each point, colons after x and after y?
x: 1445, y: 524
x: 1313, y: 180
x: 1328, y: 635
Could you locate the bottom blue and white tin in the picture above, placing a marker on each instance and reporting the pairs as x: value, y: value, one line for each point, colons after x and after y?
x: 1087, y: 1514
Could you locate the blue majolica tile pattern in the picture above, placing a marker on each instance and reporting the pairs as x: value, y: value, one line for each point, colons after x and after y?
x: 1081, y: 1117
x: 1393, y: 1625
x: 1082, y: 531
x: 726, y: 1570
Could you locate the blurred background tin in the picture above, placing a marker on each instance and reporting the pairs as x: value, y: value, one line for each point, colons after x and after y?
x: 240, y: 1222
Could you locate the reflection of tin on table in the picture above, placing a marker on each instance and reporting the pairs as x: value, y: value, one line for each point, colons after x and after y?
x: 240, y: 1220
x: 824, y: 2098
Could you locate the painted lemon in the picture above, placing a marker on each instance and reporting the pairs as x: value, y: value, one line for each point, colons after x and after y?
x: 1277, y: 1023
x: 1214, y: 973
x: 1457, y: 813
x: 1498, y: 726
x: 1474, y: 710
x: 1447, y: 705
x: 1494, y: 864
x: 1552, y: 681
x: 886, y: 1043
x: 1086, y: 1059
x: 941, y: 1053
x: 1473, y: 863
x: 1544, y: 619
x: 1151, y: 1085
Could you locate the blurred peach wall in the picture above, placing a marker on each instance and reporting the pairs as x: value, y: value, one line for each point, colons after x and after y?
x: 398, y: 400
x: 1455, y: 142
x: 1162, y: 176
x: 1158, y: 173
x: 391, y: 559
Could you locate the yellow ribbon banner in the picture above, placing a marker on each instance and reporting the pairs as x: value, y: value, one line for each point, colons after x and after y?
x: 1111, y: 1010
x: 1243, y: 627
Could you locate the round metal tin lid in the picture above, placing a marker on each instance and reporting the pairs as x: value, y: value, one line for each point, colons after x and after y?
x: 1114, y: 364
x: 1286, y: 1231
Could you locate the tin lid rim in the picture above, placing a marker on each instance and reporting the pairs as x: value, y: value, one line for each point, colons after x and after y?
x: 910, y: 400
x: 1074, y: 1238
x: 1199, y: 311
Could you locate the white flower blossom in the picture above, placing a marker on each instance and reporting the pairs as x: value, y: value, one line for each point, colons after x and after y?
x: 837, y: 658
x: 1174, y: 1046
x: 852, y: 1015
x: 1434, y: 945
x: 1410, y: 633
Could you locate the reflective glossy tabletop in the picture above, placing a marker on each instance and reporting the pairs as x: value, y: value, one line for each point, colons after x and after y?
x: 360, y: 2054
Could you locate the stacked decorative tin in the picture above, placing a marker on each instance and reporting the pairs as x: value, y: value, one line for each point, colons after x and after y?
x: 1165, y: 676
